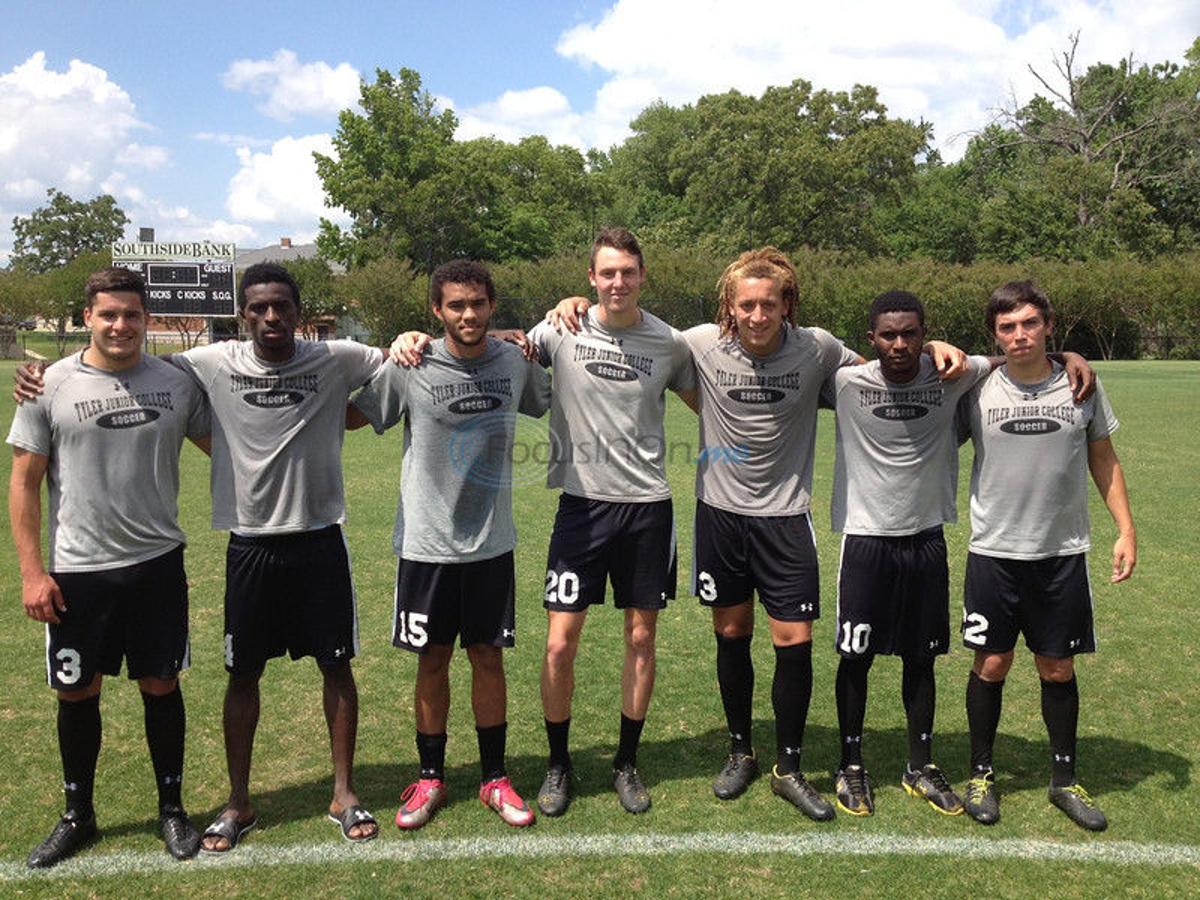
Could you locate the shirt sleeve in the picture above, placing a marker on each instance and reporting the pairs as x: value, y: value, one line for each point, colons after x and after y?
x: 1104, y: 420
x: 31, y: 428
x: 546, y: 339
x: 683, y: 368
x: 834, y: 354
x: 360, y: 361
x: 535, y: 397
x: 199, y: 412
x: 385, y: 398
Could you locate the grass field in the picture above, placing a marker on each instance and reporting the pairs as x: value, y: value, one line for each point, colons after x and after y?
x: 1139, y: 732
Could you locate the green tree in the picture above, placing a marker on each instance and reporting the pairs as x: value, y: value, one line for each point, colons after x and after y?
x: 319, y: 298
x: 388, y: 296
x: 53, y: 235
x: 60, y: 292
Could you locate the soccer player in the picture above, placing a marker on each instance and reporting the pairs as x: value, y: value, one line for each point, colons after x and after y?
x: 614, y: 519
x: 454, y: 530
x: 279, y: 411
x: 894, y: 486
x: 1027, y: 566
x: 107, y: 436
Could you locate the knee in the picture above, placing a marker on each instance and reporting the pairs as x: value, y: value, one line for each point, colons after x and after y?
x: 158, y: 687
x: 993, y: 666
x: 560, y: 651
x: 639, y: 638
x: 1050, y: 668
x: 339, y: 673
x: 486, y: 659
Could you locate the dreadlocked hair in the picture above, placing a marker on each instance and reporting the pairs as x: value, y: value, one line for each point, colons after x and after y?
x: 765, y: 262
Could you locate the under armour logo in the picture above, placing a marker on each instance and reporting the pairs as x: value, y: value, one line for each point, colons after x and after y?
x: 926, y: 737
x: 1062, y: 758
x: 172, y: 779
x: 792, y: 751
x: 339, y: 652
x: 854, y: 739
x: 736, y: 737
x: 933, y: 644
x: 1029, y: 396
x: 509, y: 632
x: 70, y: 786
x: 1074, y: 642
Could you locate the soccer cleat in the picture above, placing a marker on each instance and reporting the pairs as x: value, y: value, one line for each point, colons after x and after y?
x: 740, y: 769
x: 630, y: 789
x: 498, y: 794
x: 178, y: 833
x: 796, y: 789
x: 419, y: 802
x: 555, y: 794
x: 982, y: 803
x: 931, y: 784
x: 1079, y: 807
x: 69, y: 835
x: 855, y: 795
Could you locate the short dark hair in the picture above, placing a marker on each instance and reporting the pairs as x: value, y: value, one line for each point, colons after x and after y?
x: 266, y: 273
x: 113, y: 280
x: 617, y: 239
x: 895, y: 301
x: 460, y: 271
x: 1012, y: 294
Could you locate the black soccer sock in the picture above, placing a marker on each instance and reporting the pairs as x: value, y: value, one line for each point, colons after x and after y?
x: 920, y: 694
x: 556, y: 734
x: 431, y: 749
x: 983, y: 717
x: 851, y: 693
x: 491, y: 750
x: 1060, y: 712
x: 735, y: 676
x: 166, y: 727
x: 631, y: 734
x: 791, y: 692
x: 79, y: 746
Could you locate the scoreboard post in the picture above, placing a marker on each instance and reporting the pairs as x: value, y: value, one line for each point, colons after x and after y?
x: 183, y: 278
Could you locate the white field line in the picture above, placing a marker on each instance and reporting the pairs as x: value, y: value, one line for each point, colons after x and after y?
x: 91, y: 864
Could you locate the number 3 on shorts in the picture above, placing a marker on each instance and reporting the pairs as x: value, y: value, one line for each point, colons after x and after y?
x: 562, y: 588
x: 71, y: 669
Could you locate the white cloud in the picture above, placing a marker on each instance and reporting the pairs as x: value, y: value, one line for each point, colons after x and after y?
x: 280, y: 188
x: 143, y: 156
x: 293, y: 88
x: 226, y: 139
x: 950, y: 62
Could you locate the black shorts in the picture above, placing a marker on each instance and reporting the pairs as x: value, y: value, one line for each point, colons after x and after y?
x: 735, y: 555
x: 289, y: 593
x: 1047, y: 600
x: 437, y: 601
x: 633, y: 544
x: 893, y: 595
x: 138, y: 612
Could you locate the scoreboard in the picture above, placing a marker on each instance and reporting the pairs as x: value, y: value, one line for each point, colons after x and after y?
x: 184, y: 278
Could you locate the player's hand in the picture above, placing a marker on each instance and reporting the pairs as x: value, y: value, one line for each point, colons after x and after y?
x: 29, y: 381
x: 950, y: 362
x: 1124, y: 557
x: 1080, y: 376
x: 408, y: 348
x: 520, y: 338
x: 568, y: 314
x: 42, y: 599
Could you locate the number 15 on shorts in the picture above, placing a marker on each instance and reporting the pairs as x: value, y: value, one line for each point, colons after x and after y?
x: 411, y: 628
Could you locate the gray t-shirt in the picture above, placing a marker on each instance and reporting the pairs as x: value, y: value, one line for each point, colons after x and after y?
x: 113, y: 441
x: 758, y: 418
x: 459, y: 423
x: 606, y: 418
x: 896, y: 471
x: 1029, y: 482
x: 278, y: 431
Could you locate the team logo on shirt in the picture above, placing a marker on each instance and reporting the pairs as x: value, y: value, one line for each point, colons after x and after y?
x: 755, y: 387
x: 1031, y: 419
x: 612, y: 365
x: 756, y: 395
x: 129, y: 419
x: 900, y: 412
x: 274, y: 391
x: 467, y: 398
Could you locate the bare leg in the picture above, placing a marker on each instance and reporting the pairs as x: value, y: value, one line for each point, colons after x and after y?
x: 340, y: 696
x: 558, y: 667
x: 240, y: 722
x: 637, y: 676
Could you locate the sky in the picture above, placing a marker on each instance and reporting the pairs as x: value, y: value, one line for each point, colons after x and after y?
x: 201, y: 118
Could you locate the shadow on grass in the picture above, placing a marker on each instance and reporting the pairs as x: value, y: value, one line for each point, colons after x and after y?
x: 1107, y: 765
